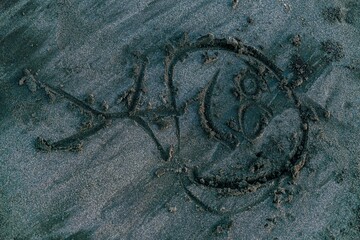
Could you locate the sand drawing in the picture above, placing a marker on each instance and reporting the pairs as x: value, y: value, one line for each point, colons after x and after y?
x: 267, y: 129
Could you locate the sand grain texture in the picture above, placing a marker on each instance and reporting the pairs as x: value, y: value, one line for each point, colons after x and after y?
x: 179, y: 119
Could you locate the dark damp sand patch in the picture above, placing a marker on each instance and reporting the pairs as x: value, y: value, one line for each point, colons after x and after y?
x: 334, y: 14
x: 334, y: 50
x: 348, y: 13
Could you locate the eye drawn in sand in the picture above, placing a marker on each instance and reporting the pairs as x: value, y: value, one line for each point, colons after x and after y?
x: 257, y: 120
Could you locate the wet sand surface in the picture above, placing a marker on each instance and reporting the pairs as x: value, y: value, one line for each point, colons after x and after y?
x: 180, y: 119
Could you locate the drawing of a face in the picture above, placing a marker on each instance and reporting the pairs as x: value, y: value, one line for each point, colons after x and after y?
x: 242, y: 133
x: 239, y: 127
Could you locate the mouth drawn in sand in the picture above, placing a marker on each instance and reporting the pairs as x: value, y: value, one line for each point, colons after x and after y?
x: 254, y: 121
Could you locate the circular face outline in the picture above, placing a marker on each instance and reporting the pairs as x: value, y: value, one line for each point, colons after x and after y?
x: 235, y: 46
